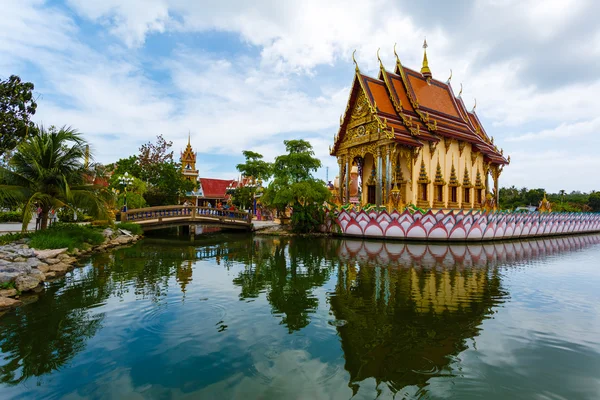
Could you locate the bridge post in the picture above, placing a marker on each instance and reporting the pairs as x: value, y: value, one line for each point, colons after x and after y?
x: 194, y: 211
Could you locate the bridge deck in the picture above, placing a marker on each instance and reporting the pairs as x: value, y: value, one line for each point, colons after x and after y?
x: 157, y: 217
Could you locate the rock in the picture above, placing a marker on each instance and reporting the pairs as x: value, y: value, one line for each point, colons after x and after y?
x: 43, y: 268
x: 33, y: 262
x: 125, y: 232
x: 52, y: 260
x: 60, y: 268
x: 6, y: 277
x: 26, y: 282
x: 21, y: 267
x: 53, y: 253
x: 20, y: 259
x: 50, y: 275
x: 63, y: 256
x: 26, y: 252
x: 6, y: 302
x: 37, y: 274
x: 8, y: 292
x: 108, y: 232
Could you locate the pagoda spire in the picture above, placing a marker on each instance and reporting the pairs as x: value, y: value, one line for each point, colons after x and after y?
x: 189, y: 138
x: 425, y: 71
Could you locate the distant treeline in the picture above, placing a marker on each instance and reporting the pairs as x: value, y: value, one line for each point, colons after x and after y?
x: 511, y: 198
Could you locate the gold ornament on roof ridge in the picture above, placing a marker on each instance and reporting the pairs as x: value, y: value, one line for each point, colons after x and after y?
x: 354, y: 60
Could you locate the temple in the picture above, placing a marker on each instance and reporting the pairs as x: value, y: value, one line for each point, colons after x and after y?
x: 406, y: 139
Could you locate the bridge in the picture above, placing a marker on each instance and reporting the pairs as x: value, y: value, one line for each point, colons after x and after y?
x: 150, y: 218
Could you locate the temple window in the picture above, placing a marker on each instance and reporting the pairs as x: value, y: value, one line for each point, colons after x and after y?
x: 479, y: 191
x: 440, y: 193
x: 371, y: 194
x: 453, y: 194
x: 467, y: 197
x: 424, y: 191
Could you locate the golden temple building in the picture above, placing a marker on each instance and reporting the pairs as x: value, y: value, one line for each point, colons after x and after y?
x: 406, y: 138
x: 188, y: 163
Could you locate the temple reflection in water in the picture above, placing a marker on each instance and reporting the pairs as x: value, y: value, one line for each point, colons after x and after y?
x: 407, y: 309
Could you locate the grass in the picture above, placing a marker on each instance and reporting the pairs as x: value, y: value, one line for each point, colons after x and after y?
x: 7, y: 285
x: 62, y: 235
x: 12, y: 237
x: 131, y: 227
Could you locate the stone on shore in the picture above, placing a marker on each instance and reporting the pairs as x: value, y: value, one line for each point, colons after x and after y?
x: 26, y: 282
x: 43, y: 268
x: 52, y: 253
x: 6, y: 277
x: 60, y: 268
x: 51, y: 261
x: 6, y: 302
x: 8, y: 292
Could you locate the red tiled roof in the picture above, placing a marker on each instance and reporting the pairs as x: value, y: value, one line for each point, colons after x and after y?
x: 215, y: 188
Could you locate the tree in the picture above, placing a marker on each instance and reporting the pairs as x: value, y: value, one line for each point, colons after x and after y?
x: 254, y: 166
x: 294, y: 185
x: 152, y: 156
x: 47, y: 171
x: 594, y: 201
x: 17, y: 105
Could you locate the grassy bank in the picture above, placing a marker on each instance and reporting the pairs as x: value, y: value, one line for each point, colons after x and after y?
x: 61, y: 235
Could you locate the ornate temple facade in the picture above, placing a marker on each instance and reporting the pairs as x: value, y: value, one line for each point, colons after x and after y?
x: 188, y: 163
x: 405, y: 138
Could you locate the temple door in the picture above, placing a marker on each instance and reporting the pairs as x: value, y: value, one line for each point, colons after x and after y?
x: 371, y: 194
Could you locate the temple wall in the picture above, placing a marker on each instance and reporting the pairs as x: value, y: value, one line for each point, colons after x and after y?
x: 461, y: 225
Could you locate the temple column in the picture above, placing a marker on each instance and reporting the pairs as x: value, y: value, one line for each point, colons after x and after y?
x: 379, y: 188
x: 341, y: 179
x: 388, y: 174
x: 347, y: 180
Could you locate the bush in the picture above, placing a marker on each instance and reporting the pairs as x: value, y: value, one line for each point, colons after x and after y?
x: 11, y: 216
x: 12, y: 237
x: 131, y: 227
x: 307, y: 218
x: 62, y: 235
x: 67, y: 215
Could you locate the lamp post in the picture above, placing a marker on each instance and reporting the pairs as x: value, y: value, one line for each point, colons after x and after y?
x: 125, y: 180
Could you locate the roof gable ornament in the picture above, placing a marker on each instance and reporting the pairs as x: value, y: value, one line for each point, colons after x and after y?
x: 474, y: 106
x: 354, y: 60
x: 425, y: 71
x: 449, y: 78
x: 461, y: 88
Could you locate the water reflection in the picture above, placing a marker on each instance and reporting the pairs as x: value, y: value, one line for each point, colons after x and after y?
x: 401, y: 312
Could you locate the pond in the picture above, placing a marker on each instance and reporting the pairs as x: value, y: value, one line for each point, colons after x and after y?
x: 248, y: 317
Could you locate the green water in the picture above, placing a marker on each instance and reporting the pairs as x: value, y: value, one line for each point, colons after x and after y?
x: 242, y: 317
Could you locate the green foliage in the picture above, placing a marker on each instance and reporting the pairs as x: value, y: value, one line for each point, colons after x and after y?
x: 307, y: 218
x: 576, y: 201
x: 131, y: 227
x: 7, y: 285
x: 157, y: 178
x: 242, y: 197
x: 48, y: 171
x: 594, y: 201
x: 12, y: 237
x: 11, y: 216
x: 294, y: 186
x: 134, y: 200
x: 254, y: 166
x: 17, y: 106
x: 61, y: 235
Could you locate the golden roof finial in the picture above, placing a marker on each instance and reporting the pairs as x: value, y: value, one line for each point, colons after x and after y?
x: 425, y: 68
x: 354, y: 59
x: 396, y: 54
x: 379, y: 58
x: 460, y: 93
x: 474, y: 105
x: 450, y: 77
x: 189, y: 138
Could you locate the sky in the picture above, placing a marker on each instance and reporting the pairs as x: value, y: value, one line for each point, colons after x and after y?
x: 240, y: 75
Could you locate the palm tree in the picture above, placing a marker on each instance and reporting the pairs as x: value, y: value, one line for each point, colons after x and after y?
x: 49, y: 170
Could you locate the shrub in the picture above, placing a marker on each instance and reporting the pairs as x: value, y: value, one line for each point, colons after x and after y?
x: 307, y: 218
x: 62, y: 235
x: 67, y: 215
x: 131, y: 227
x: 11, y: 216
x: 12, y: 237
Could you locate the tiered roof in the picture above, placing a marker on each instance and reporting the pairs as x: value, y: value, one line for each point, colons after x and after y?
x: 413, y: 108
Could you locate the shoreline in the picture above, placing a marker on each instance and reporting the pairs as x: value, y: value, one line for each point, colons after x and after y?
x: 23, y: 270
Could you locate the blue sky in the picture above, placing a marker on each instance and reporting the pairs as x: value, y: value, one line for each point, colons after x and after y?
x: 247, y: 75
